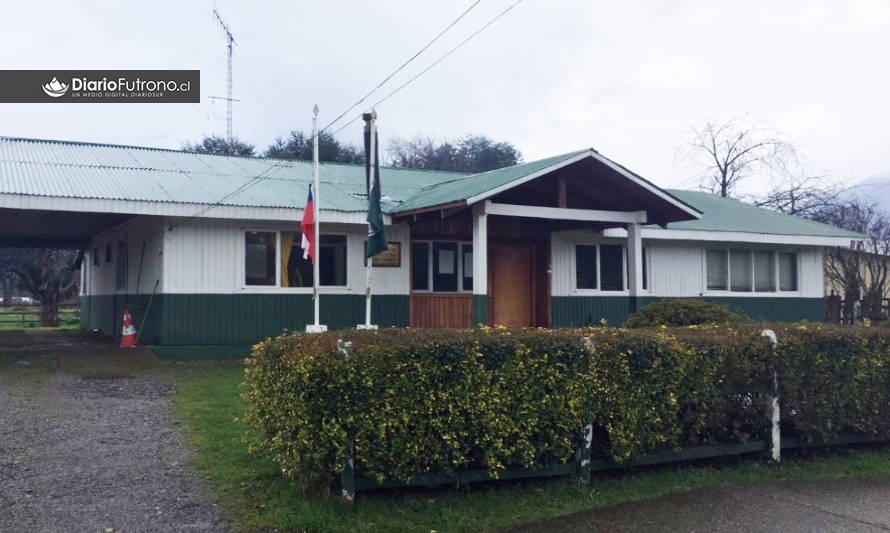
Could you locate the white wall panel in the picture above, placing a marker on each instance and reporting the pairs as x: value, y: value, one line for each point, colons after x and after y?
x: 103, y: 277
x: 811, y: 273
x: 674, y: 269
x: 207, y: 256
x: 677, y: 268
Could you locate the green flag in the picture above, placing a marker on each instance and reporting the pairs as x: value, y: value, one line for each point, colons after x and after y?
x: 376, y: 232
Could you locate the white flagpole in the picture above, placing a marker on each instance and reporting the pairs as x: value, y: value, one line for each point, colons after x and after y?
x: 316, y: 201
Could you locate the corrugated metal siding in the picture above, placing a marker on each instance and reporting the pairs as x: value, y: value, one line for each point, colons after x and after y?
x: 203, y: 256
x: 812, y: 273
x: 675, y: 269
x: 207, y: 256
x: 776, y: 308
x: 236, y: 319
x: 579, y: 311
x: 388, y: 280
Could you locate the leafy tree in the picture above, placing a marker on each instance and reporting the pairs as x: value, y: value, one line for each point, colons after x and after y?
x: 49, y: 276
x: 299, y: 146
x: 216, y: 145
x: 471, y: 153
x: 725, y: 153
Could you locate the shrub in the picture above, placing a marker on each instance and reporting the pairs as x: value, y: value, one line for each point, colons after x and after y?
x: 682, y: 312
x: 415, y: 401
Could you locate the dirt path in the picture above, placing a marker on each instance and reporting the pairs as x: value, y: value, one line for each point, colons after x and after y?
x: 95, y: 454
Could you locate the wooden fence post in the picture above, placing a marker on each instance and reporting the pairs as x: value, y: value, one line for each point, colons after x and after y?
x: 584, y: 454
x: 775, y: 435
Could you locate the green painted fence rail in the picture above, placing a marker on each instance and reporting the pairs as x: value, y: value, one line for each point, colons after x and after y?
x: 584, y: 464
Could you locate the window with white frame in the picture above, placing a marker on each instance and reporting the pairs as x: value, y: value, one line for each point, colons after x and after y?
x: 263, y: 247
x: 441, y: 266
x: 737, y: 270
x: 604, y: 267
x: 259, y: 258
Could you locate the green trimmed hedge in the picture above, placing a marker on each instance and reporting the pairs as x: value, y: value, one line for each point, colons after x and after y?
x: 419, y: 401
x: 682, y: 312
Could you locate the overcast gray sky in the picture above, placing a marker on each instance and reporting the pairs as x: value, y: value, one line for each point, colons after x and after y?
x: 627, y: 78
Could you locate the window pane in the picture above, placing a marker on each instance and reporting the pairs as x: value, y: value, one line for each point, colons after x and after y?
x: 764, y: 272
x: 717, y: 270
x: 787, y: 271
x: 95, y: 257
x: 295, y: 271
x: 420, y: 266
x: 332, y: 260
x: 585, y: 267
x: 467, y: 264
x: 259, y: 258
x: 445, y: 266
x: 611, y: 267
x: 740, y: 270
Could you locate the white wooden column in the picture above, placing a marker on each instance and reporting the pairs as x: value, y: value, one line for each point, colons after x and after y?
x: 634, y: 259
x: 480, y: 265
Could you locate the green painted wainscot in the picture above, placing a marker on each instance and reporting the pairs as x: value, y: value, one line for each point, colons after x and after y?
x: 575, y: 311
x: 205, y: 325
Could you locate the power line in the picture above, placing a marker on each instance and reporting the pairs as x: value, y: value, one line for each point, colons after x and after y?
x: 436, y: 62
x: 402, y: 66
x: 253, y: 181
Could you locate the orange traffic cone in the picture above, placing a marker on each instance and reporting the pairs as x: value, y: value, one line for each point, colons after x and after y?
x: 128, y: 334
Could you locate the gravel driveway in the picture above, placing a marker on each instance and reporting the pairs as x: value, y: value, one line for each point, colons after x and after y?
x: 79, y: 454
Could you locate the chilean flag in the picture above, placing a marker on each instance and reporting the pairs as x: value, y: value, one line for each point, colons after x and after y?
x: 307, y: 226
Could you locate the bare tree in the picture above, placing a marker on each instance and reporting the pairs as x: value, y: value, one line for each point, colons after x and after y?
x: 801, y: 195
x: 863, y: 268
x: 728, y: 152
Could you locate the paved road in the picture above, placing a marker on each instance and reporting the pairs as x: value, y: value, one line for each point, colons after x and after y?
x: 846, y: 505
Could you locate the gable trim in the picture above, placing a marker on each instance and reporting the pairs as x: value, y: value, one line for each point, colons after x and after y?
x: 667, y: 197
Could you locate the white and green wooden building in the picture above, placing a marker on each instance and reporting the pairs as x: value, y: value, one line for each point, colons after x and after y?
x: 205, y: 249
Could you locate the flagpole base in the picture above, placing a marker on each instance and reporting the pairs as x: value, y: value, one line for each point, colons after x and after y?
x: 367, y: 326
x: 316, y: 328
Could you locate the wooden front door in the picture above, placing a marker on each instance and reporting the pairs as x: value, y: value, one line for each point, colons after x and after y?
x: 512, y: 284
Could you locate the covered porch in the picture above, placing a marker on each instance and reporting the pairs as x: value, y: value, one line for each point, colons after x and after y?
x: 481, y: 246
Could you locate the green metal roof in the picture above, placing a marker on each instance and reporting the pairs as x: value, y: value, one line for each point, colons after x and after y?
x: 98, y: 171
x: 728, y: 215
x: 467, y: 186
x: 83, y: 170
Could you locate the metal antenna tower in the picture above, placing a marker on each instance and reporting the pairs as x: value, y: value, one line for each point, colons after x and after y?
x: 231, y: 40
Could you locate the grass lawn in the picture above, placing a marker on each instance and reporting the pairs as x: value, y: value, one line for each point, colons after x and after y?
x: 18, y: 318
x: 208, y: 401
